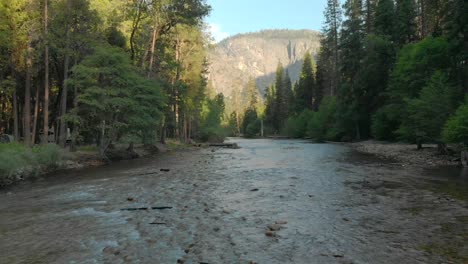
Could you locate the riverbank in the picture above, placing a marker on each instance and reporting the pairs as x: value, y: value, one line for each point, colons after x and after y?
x: 407, y: 154
x: 25, y: 164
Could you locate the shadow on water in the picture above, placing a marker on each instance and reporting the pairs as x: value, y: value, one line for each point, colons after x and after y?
x: 449, y: 180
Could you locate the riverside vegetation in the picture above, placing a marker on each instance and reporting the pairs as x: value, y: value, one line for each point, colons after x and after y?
x: 99, y: 72
x: 84, y: 72
x: 391, y: 70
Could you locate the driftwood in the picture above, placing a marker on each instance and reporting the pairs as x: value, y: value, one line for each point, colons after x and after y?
x: 225, y: 145
x: 147, y: 208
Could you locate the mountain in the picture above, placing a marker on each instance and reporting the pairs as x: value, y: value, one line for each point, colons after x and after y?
x: 234, y: 60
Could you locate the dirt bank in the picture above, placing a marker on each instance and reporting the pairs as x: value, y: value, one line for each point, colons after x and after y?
x: 407, y: 154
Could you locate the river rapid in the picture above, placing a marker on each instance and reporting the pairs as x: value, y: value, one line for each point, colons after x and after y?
x: 271, y: 201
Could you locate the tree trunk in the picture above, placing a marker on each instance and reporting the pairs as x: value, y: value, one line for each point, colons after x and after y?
x: 358, y: 131
x: 153, y: 46
x: 419, y: 144
x: 135, y: 24
x: 76, y: 128
x: 63, y: 105
x: 27, y: 97
x: 36, y: 113
x: 15, y: 116
x: 45, y: 110
x: 464, y: 158
x: 261, y: 127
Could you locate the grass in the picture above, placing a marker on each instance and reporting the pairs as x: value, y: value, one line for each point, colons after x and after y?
x: 88, y: 148
x: 19, y: 161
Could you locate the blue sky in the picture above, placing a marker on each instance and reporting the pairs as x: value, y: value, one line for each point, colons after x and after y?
x: 230, y: 17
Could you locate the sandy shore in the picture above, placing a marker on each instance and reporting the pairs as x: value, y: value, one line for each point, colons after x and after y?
x: 407, y: 154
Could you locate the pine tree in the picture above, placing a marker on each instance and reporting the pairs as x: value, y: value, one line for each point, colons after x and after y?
x: 329, y: 49
x: 405, y: 25
x: 304, y: 92
x: 279, y: 114
x: 288, y: 94
x: 385, y: 18
x: 352, y: 53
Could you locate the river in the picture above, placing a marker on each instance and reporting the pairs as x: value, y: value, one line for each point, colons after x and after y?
x: 331, y: 205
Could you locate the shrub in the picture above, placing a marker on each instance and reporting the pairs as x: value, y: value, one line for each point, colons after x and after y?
x: 296, y: 126
x: 323, y: 124
x: 253, y: 128
x: 456, y: 128
x: 384, y: 123
x: 16, y: 160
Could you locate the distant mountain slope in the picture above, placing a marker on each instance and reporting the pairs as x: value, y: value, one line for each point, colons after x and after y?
x: 235, y: 59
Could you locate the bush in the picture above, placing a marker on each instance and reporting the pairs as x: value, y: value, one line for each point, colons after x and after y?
x: 296, y: 126
x: 456, y: 128
x: 427, y: 114
x: 17, y: 161
x: 212, y: 134
x: 384, y: 123
x: 323, y: 124
x: 253, y: 129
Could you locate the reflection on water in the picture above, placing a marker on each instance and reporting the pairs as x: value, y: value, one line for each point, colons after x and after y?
x: 339, y: 206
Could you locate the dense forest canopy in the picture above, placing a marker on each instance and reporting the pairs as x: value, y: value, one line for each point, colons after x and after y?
x: 100, y: 71
x: 390, y: 70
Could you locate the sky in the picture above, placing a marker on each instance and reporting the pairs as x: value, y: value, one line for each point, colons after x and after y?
x: 230, y: 17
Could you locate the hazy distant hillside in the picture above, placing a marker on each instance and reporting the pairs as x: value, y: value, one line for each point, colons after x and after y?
x: 237, y: 58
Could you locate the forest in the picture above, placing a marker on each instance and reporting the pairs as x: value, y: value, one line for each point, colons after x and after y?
x: 105, y: 71
x: 100, y: 72
x: 388, y: 70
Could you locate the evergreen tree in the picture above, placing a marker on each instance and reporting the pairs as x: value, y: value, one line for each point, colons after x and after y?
x: 304, y: 92
x: 329, y: 49
x: 351, y: 92
x: 405, y: 24
x: 385, y: 18
x: 279, y: 113
x: 288, y: 94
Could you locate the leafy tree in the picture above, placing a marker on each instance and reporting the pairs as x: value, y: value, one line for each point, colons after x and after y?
x: 213, y: 115
x: 114, y: 99
x: 249, y: 126
x: 456, y: 128
x: 416, y: 64
x: 296, y: 126
x: 428, y: 113
x: 322, y: 125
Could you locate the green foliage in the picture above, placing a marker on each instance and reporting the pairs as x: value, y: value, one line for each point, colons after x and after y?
x: 405, y: 21
x: 384, y: 23
x: 322, y: 125
x: 385, y: 122
x: 233, y: 126
x: 427, y: 114
x: 416, y: 64
x: 17, y: 160
x: 211, y: 130
x: 114, y: 98
x: 456, y: 128
x: 296, y: 126
x: 250, y: 118
x: 306, y: 88
x: 253, y: 129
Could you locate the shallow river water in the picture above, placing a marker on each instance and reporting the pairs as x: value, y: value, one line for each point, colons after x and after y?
x: 333, y: 205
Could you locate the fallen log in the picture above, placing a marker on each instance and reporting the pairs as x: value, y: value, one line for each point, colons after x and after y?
x: 162, y: 207
x: 225, y: 145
